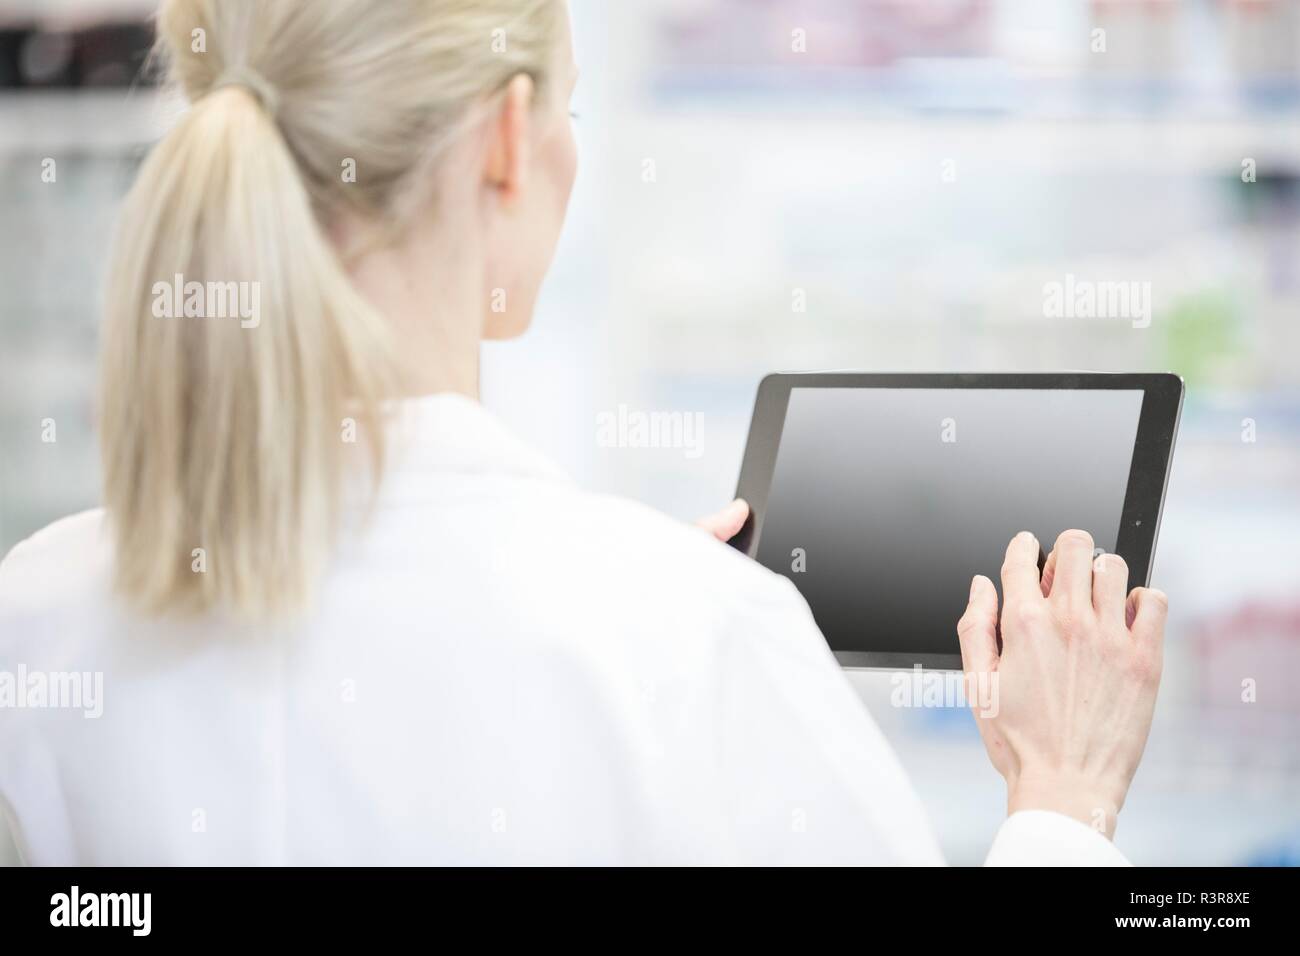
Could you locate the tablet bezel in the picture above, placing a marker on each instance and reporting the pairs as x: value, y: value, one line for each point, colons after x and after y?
x: 1162, y: 400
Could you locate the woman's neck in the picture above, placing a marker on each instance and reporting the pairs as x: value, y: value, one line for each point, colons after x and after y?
x: 431, y: 293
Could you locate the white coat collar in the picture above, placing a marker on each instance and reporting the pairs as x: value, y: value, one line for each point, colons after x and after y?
x: 448, y: 432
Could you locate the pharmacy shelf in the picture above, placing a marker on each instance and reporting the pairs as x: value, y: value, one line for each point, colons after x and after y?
x: 104, y: 122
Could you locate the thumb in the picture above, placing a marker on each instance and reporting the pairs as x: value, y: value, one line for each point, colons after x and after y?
x: 1145, y: 613
x: 726, y: 523
x: 977, y: 629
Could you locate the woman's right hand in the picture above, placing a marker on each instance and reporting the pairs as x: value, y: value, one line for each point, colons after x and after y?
x: 1075, y: 677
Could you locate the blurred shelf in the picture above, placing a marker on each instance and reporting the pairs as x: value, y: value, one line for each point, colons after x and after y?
x: 74, y: 13
x: 1157, y: 144
x: 109, y: 122
x: 956, y: 88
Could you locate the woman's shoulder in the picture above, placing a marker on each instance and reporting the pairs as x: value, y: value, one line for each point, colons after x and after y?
x: 649, y: 549
x: 51, y: 584
x: 55, y: 560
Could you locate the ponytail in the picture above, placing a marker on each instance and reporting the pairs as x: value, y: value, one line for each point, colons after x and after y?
x: 243, y: 374
x: 238, y: 363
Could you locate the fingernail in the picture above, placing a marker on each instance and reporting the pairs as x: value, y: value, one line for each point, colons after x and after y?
x: 974, y: 586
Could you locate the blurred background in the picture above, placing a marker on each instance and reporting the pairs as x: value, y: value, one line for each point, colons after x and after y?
x: 814, y: 184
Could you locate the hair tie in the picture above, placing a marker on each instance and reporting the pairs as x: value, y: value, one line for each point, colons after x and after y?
x: 254, y: 82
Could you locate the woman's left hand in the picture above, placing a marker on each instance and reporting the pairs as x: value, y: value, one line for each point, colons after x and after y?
x: 726, y: 523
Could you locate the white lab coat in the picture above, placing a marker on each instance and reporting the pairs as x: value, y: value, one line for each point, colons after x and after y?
x: 503, y: 668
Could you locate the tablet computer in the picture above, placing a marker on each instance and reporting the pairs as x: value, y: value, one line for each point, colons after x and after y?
x: 880, y: 495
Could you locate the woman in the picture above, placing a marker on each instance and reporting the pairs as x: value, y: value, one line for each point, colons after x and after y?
x: 341, y: 615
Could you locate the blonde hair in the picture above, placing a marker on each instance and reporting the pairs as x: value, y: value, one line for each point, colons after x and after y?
x: 224, y: 441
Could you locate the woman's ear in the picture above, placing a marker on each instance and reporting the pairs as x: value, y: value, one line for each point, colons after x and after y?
x: 508, y: 146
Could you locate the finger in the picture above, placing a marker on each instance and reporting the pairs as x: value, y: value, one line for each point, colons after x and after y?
x: 1072, y: 579
x: 1109, y: 586
x: 1145, y: 614
x: 726, y: 523
x: 977, y: 629
x: 1020, y: 570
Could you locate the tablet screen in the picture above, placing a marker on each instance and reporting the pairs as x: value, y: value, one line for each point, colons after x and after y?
x: 885, y: 501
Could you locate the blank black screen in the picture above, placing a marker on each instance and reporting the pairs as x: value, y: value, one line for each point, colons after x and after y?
x: 896, y: 497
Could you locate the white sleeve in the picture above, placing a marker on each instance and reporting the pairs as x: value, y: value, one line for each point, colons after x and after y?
x: 1044, y: 838
x: 807, y: 776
